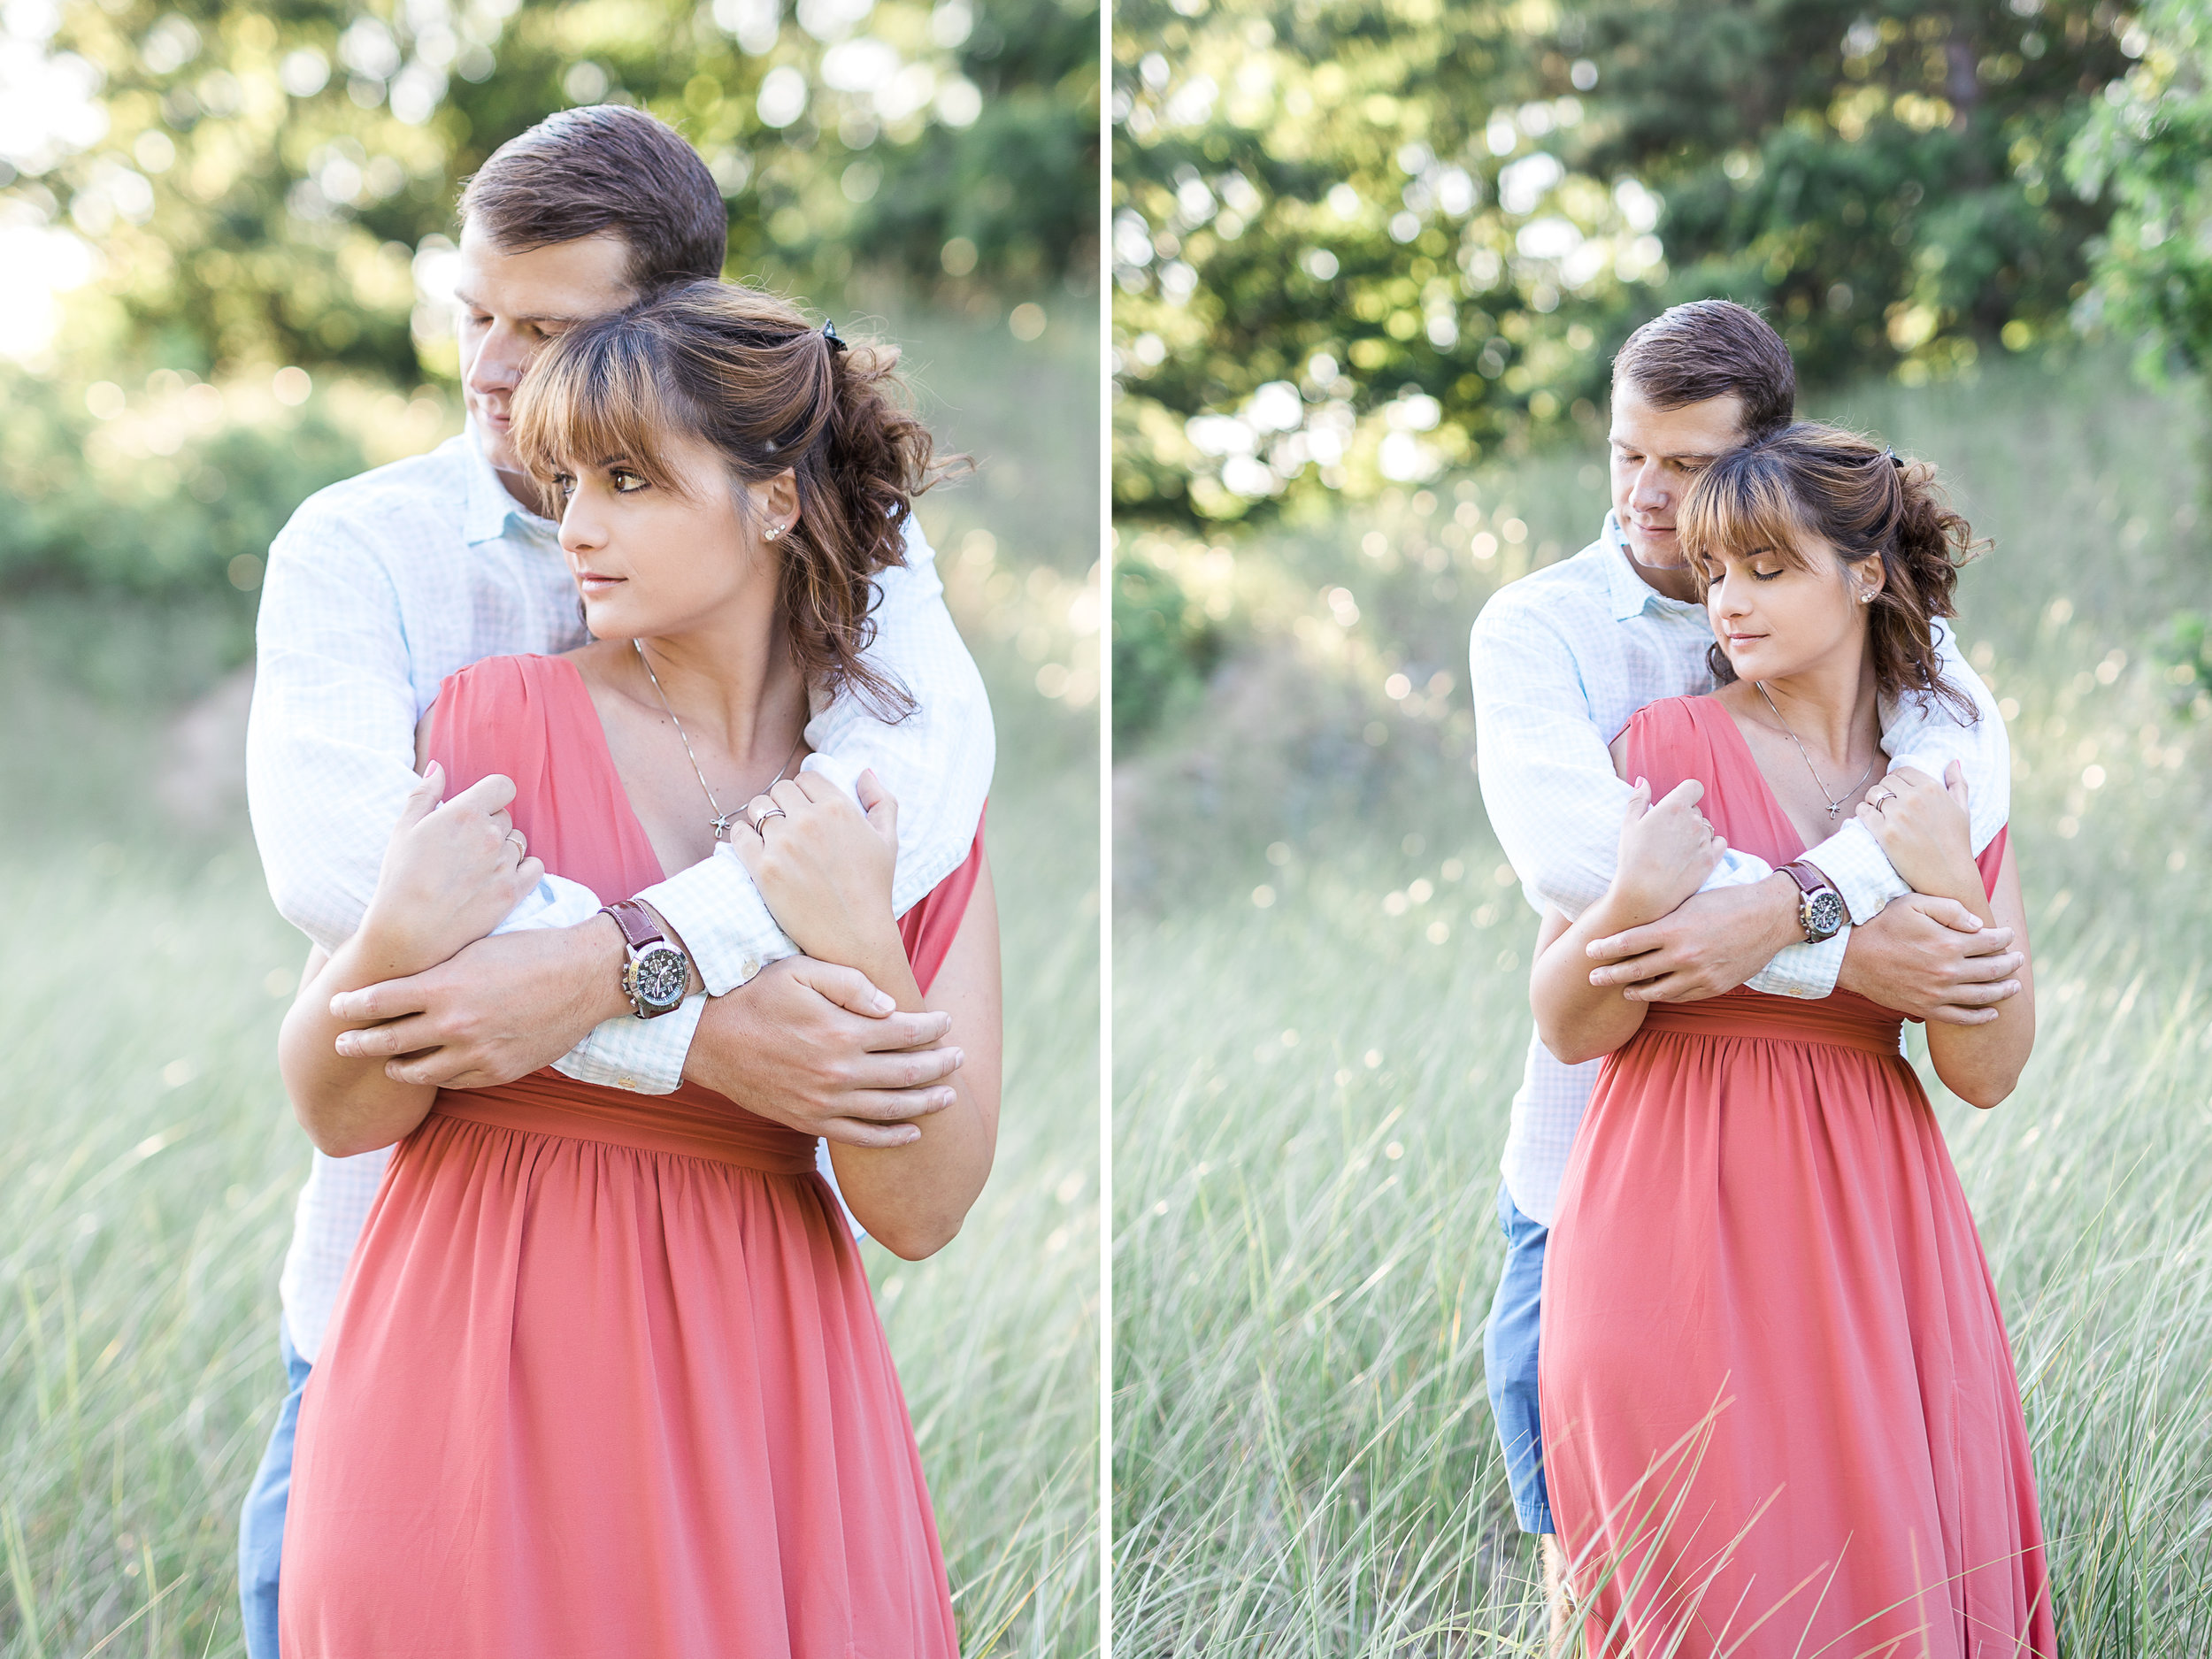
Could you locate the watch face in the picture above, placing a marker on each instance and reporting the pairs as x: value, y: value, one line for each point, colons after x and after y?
x: 1824, y: 913
x: 659, y: 975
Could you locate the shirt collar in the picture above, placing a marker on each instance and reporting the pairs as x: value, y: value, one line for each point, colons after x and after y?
x: 1629, y: 591
x: 488, y: 509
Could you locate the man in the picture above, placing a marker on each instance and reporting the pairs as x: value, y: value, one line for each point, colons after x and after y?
x: 1561, y: 660
x: 380, y: 587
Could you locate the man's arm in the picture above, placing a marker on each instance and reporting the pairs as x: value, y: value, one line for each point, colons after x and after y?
x: 811, y: 1049
x: 330, y: 761
x: 330, y: 741
x: 936, y: 763
x: 1927, y: 734
x: 1929, y: 958
x: 1548, y: 780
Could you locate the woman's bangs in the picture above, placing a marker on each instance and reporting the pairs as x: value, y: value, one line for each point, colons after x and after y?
x: 1741, y: 510
x: 578, y: 410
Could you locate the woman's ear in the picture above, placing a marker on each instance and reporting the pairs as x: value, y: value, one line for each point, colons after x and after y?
x: 776, y: 504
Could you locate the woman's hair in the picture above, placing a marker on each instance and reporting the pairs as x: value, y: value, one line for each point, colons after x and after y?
x: 744, y: 372
x: 1868, y: 502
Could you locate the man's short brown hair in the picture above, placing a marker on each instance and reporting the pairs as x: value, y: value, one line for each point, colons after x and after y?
x: 1713, y: 349
x: 604, y: 168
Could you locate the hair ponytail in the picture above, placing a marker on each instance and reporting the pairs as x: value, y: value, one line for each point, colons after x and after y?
x: 1867, y: 503
x: 745, y: 371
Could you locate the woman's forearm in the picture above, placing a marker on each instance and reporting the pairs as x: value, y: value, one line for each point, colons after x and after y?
x: 347, y: 1106
x: 912, y: 1199
x: 1982, y: 1064
x: 1577, y: 1020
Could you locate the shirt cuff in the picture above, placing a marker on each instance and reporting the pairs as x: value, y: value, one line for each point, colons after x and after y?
x: 645, y: 1056
x: 1863, y: 874
x: 718, y: 913
x: 1804, y: 970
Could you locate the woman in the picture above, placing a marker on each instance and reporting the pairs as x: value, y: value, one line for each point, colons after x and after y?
x: 606, y: 1377
x: 1780, y: 1413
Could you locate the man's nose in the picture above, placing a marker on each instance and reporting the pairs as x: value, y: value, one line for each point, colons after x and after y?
x: 499, y: 363
x: 1649, y: 494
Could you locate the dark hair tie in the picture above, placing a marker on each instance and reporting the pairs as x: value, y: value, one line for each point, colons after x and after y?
x: 829, y: 332
x: 1895, y: 459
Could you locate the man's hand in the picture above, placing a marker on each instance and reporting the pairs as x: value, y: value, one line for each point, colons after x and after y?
x: 1931, y: 959
x: 819, y: 1050
x: 498, y: 1009
x: 1709, y: 943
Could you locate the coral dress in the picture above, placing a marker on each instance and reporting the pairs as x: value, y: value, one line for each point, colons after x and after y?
x: 1780, y: 1417
x: 605, y: 1378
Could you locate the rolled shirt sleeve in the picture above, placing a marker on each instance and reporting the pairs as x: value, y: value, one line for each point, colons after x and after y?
x: 937, y: 763
x: 1926, y: 734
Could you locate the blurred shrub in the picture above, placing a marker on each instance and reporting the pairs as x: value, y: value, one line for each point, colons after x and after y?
x: 180, y: 488
x: 2185, y: 653
x: 1163, y: 648
x: 2146, y: 145
x: 1358, y: 248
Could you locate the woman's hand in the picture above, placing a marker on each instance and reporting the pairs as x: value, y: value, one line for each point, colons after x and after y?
x: 451, y: 871
x: 1924, y: 827
x: 1667, y: 851
x: 823, y: 867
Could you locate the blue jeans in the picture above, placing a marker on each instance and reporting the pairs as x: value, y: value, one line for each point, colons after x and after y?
x: 1508, y: 1361
x: 261, y: 1522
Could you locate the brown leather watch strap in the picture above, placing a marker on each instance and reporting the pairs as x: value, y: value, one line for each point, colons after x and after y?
x: 1808, y: 876
x: 636, y: 923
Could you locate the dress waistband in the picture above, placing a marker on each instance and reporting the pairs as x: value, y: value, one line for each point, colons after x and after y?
x: 692, y: 1122
x: 1842, y: 1020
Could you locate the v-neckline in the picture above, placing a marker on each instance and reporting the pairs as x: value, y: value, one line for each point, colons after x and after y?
x: 1774, y: 802
x: 614, y: 772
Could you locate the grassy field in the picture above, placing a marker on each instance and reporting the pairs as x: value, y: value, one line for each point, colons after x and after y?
x: 1320, y: 969
x: 152, y: 1161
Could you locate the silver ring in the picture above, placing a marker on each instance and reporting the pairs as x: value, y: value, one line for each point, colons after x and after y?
x: 1877, y: 802
x: 760, y: 818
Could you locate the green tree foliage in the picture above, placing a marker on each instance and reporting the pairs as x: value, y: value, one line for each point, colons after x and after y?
x: 267, y: 183
x: 2150, y: 148
x: 1356, y: 244
x: 1164, y: 646
x: 1884, y: 182
x: 1312, y: 258
x: 264, y: 199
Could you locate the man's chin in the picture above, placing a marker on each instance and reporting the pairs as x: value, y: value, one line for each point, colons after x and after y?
x: 492, y: 444
x: 1662, y: 553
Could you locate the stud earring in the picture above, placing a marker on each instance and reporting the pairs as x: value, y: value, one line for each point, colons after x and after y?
x: 773, y: 532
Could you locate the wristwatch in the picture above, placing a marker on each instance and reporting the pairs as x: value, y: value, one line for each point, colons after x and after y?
x: 1821, y: 910
x: 655, y: 971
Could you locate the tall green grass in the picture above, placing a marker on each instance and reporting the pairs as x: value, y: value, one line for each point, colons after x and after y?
x: 1320, y: 982
x: 151, y: 1161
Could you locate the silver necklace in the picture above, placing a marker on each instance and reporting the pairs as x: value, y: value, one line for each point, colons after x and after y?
x: 1834, y: 805
x: 722, y: 820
